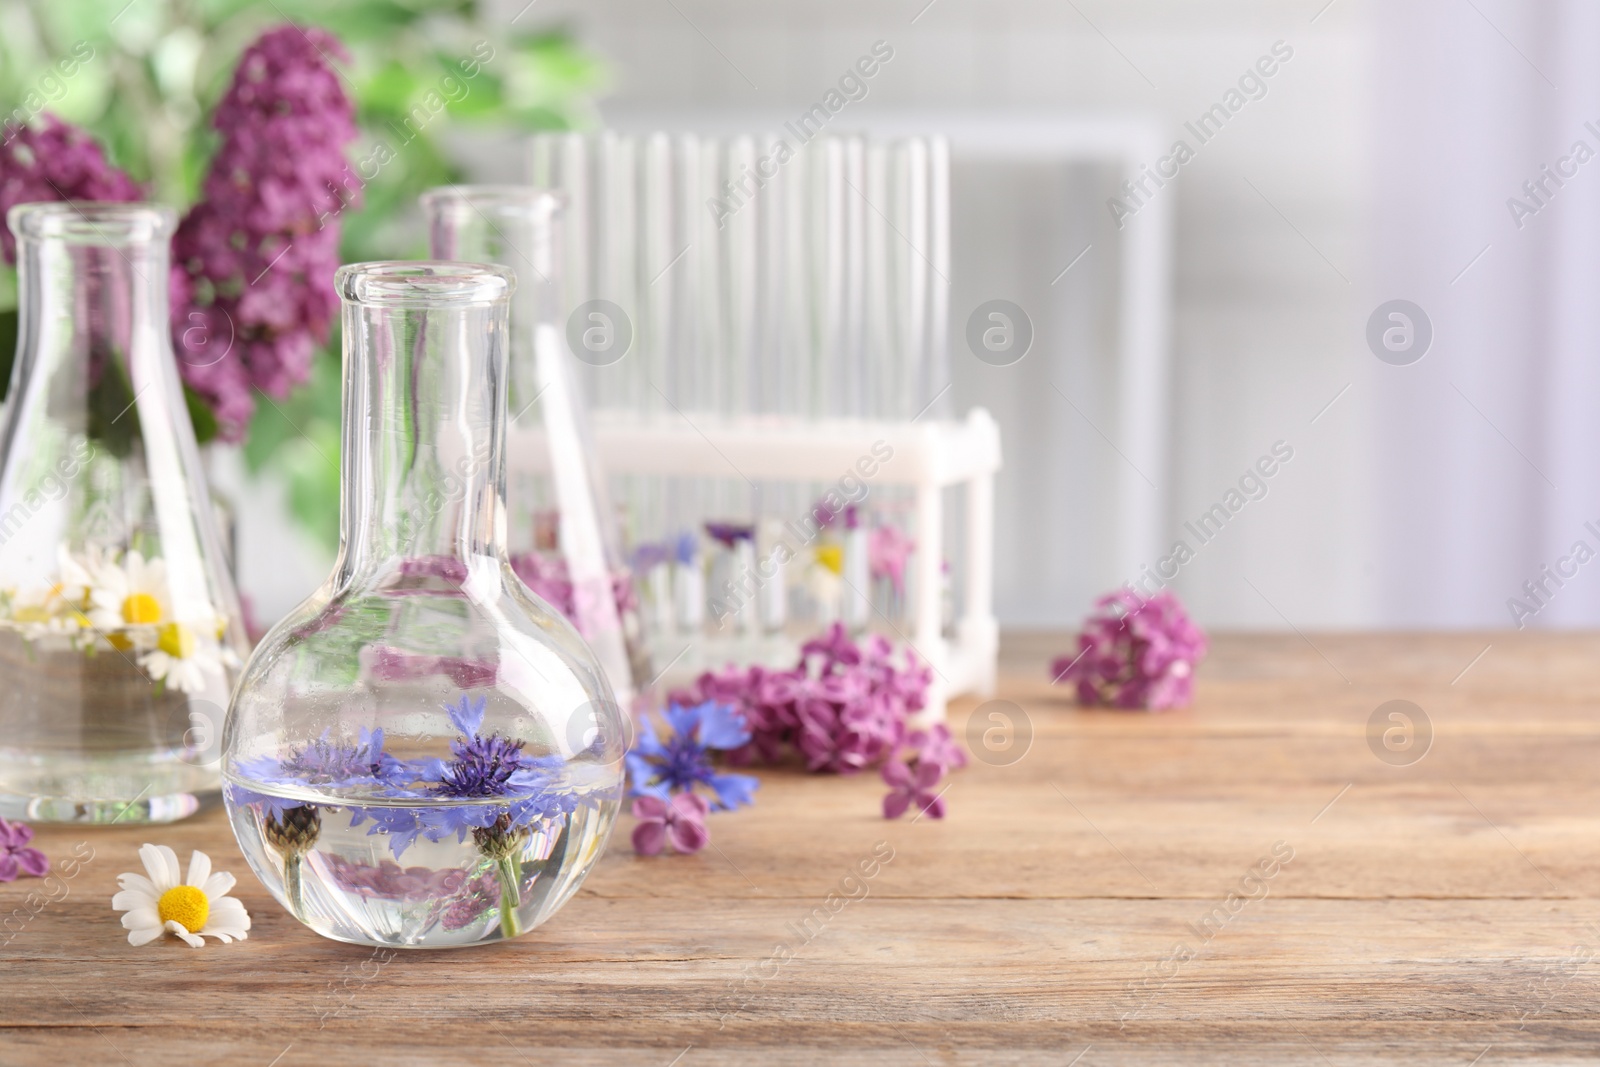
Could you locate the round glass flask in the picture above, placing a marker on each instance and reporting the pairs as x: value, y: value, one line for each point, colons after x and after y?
x: 120, y: 635
x: 423, y: 754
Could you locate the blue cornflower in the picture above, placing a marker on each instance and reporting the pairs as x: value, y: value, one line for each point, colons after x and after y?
x: 324, y: 764
x: 330, y: 764
x: 659, y: 768
x: 492, y: 766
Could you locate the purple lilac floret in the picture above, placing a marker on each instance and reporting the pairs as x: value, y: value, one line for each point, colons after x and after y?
x: 913, y: 784
x: 54, y: 160
x: 253, y: 261
x: 17, y: 856
x: 680, y: 821
x: 888, y: 551
x: 935, y: 746
x: 680, y: 761
x: 843, y: 708
x: 1135, y: 652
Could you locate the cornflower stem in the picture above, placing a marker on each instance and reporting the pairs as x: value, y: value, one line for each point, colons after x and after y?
x: 510, y: 871
x: 292, y: 885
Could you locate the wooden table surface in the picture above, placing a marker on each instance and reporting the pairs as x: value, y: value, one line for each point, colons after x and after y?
x: 1110, y: 897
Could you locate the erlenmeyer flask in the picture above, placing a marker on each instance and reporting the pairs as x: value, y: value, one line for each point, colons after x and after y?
x: 575, y: 561
x: 120, y: 634
x: 423, y: 754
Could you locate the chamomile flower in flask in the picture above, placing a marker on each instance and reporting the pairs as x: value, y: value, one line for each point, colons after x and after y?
x: 574, y: 559
x: 423, y: 754
x: 120, y: 634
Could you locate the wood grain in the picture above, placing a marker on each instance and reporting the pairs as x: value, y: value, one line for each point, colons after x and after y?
x: 1074, y: 904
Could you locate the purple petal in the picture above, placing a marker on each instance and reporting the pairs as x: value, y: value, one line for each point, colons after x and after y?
x: 932, y: 806
x: 649, y: 807
x: 649, y: 837
x: 8, y: 867
x: 467, y: 714
x: 691, y: 806
x: 721, y: 726
x: 688, y: 836
x: 895, y: 804
x: 33, y: 861
x: 896, y: 774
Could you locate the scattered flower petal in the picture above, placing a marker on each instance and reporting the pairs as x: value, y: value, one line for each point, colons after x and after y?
x: 680, y: 821
x: 17, y: 857
x: 910, y: 784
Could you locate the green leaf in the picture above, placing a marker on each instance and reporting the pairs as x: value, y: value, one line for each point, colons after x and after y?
x: 201, y: 415
x: 112, y: 418
x: 8, y: 348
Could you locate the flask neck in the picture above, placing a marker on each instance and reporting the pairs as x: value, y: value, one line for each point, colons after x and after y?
x: 424, y: 435
x: 518, y: 227
x: 94, y: 336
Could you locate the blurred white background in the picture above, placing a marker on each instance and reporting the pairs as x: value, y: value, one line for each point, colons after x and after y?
x: 1377, y: 165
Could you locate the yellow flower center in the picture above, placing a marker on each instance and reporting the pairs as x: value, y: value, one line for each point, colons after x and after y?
x: 141, y: 609
x: 831, y: 557
x: 176, y: 640
x: 119, y: 641
x: 32, y: 613
x: 185, y: 905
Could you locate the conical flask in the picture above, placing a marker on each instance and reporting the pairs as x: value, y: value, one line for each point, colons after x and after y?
x: 423, y: 754
x: 120, y: 635
x: 569, y: 551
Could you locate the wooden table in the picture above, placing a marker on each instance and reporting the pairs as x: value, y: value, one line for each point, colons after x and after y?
x: 1074, y: 907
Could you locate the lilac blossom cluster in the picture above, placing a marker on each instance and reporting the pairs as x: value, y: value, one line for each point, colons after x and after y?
x: 253, y: 261
x: 842, y: 708
x: 54, y: 160
x: 548, y: 577
x: 1135, y: 652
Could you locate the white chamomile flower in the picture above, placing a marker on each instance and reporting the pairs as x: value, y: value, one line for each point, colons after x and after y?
x: 49, y: 610
x: 180, y: 659
x: 193, y: 910
x: 131, y: 597
x: 77, y: 577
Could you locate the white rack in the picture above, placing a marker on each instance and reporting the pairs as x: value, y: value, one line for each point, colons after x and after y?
x: 929, y: 456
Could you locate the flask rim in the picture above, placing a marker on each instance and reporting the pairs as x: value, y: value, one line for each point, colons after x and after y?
x: 424, y: 284
x: 461, y: 202
x: 93, y: 222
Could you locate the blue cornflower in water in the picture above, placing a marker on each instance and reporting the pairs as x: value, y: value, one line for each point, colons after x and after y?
x: 659, y: 767
x: 292, y: 827
x: 330, y: 764
x: 492, y: 766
